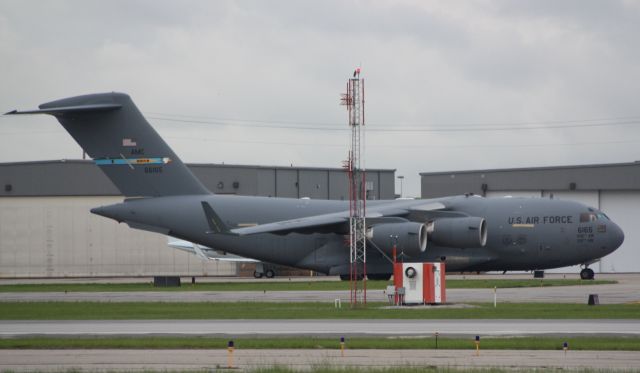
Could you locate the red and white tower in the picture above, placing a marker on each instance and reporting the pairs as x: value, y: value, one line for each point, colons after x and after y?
x: 354, y: 100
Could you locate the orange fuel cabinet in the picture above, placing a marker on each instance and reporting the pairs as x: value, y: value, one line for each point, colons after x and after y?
x: 423, y: 283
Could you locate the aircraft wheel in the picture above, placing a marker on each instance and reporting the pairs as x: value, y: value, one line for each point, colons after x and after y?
x: 257, y: 274
x: 587, y: 274
x: 270, y: 273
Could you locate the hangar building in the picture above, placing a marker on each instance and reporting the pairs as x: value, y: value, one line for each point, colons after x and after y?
x: 612, y: 188
x: 46, y: 229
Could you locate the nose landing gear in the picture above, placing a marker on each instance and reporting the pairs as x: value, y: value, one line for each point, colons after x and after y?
x: 587, y: 274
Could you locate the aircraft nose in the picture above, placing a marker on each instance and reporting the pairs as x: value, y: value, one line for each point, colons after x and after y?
x: 616, y: 236
x: 110, y: 211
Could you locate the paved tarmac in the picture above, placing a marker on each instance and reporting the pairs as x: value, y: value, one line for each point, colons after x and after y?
x: 138, y: 360
x: 320, y: 327
x: 627, y: 290
x: 608, y: 294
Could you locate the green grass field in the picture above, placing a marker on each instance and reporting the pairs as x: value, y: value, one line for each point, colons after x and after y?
x: 302, y: 310
x: 292, y: 285
x: 520, y: 343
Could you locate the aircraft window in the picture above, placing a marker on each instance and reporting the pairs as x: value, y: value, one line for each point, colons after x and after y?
x: 603, y: 216
x: 588, y: 217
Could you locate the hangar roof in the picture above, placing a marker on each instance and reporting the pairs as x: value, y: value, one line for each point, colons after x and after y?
x: 82, y: 178
x: 612, y: 176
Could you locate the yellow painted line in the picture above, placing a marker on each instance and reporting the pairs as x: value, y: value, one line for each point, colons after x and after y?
x: 243, y: 225
x: 523, y: 225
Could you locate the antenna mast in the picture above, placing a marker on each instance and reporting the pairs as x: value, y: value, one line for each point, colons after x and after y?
x: 354, y: 101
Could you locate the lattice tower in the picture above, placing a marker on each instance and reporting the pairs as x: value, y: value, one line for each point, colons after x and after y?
x: 354, y: 100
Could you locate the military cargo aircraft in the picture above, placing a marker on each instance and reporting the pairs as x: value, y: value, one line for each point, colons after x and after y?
x: 469, y: 232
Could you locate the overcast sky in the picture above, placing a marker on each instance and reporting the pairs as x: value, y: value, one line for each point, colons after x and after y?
x: 450, y: 85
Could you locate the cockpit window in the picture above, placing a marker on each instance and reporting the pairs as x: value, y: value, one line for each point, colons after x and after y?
x: 587, y: 217
x: 603, y: 216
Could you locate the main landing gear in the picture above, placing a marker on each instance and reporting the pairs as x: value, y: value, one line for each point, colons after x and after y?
x: 269, y: 273
x: 263, y: 270
x: 587, y: 274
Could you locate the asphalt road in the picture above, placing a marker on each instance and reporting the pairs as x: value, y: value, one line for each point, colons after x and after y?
x: 164, y: 360
x: 321, y: 327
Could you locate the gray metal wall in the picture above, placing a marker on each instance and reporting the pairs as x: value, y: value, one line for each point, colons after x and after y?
x: 315, y: 183
x: 83, y: 178
x: 620, y: 176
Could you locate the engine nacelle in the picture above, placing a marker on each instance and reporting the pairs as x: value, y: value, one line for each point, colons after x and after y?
x: 411, y: 237
x: 461, y: 232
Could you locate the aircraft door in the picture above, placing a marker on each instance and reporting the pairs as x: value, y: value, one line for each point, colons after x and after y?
x: 544, y: 249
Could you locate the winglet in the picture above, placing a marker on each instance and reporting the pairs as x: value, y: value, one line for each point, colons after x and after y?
x: 216, y: 225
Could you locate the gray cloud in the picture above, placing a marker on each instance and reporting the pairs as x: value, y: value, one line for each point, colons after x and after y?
x: 427, y: 64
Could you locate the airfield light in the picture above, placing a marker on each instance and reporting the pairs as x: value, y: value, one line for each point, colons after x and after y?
x: 230, y: 348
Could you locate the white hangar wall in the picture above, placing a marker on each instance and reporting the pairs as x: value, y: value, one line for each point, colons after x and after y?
x: 612, y: 188
x: 59, y: 237
x: 623, y: 207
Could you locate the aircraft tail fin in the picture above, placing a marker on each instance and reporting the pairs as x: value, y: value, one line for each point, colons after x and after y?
x: 112, y: 131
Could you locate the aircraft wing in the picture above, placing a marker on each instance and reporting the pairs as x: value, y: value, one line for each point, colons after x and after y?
x: 305, y: 224
x: 333, y: 222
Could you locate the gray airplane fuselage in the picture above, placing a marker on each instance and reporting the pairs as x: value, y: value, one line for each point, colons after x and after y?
x: 472, y: 233
x: 523, y: 233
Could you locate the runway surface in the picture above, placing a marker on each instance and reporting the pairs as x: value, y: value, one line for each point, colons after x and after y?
x: 321, y: 327
x: 138, y: 360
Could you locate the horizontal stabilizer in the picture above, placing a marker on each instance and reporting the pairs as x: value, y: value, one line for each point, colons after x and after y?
x: 210, y: 254
x: 56, y: 111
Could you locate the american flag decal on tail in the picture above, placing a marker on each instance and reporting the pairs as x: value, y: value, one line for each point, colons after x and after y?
x: 129, y: 142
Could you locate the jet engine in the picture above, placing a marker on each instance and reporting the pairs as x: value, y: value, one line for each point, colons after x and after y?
x: 411, y: 237
x: 463, y: 232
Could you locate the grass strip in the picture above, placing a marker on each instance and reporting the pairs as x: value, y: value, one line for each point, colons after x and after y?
x: 519, y: 343
x: 303, y: 310
x: 283, y: 286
